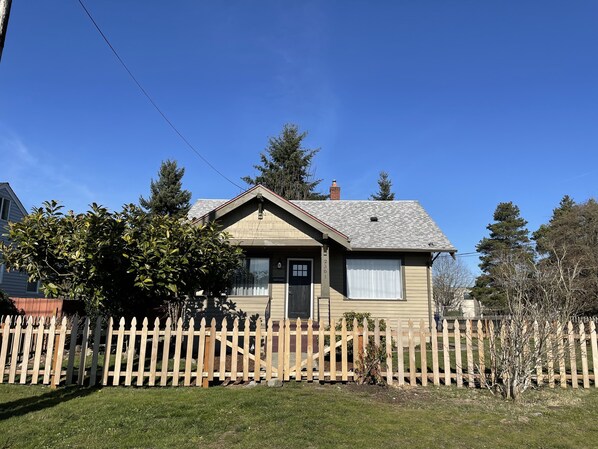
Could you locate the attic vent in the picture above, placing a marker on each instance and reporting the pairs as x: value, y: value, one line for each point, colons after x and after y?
x: 374, y: 218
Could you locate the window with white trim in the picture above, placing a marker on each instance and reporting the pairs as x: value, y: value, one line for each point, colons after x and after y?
x: 4, y: 208
x: 374, y: 279
x: 253, y: 278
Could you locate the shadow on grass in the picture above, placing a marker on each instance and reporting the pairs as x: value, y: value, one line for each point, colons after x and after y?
x: 30, y: 404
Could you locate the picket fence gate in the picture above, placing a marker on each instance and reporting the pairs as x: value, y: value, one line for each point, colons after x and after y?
x: 76, y: 351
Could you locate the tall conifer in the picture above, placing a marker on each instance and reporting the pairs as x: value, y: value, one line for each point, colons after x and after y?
x: 384, y: 185
x: 167, y: 196
x: 286, y: 167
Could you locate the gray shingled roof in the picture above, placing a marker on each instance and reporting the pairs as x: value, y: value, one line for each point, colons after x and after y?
x: 401, y: 225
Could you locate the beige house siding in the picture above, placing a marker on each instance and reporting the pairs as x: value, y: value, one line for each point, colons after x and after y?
x: 281, y: 236
x: 275, y: 224
x: 414, y: 306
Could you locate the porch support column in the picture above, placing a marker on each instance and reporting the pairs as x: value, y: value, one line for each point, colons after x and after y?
x: 325, y: 292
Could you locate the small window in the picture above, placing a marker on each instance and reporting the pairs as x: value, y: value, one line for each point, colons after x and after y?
x: 4, y: 208
x: 299, y: 270
x: 33, y: 287
x: 374, y: 279
x: 253, y: 278
x: 1, y: 273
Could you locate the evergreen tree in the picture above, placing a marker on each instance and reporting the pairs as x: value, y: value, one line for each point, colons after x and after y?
x: 384, y: 185
x: 285, y: 167
x: 571, y: 239
x: 557, y: 220
x: 508, y: 241
x: 167, y: 194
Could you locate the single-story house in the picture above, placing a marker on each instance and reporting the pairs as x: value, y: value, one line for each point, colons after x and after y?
x: 319, y: 259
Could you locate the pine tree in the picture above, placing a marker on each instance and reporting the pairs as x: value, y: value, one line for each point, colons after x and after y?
x: 508, y: 240
x: 571, y: 238
x: 167, y: 196
x: 558, y: 220
x: 285, y: 167
x: 384, y: 185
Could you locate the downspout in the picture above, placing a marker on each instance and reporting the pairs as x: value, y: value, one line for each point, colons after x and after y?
x: 429, y: 279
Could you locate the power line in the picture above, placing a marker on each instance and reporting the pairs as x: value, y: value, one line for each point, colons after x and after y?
x: 147, y: 95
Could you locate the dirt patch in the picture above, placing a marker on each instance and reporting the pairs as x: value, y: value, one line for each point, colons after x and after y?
x: 383, y: 394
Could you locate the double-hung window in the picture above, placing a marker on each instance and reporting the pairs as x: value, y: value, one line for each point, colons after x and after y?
x: 374, y: 279
x: 252, y: 278
x: 4, y: 208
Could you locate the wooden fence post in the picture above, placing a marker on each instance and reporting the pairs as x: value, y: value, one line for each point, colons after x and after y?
x: 400, y: 354
x: 142, y: 353
x: 584, y: 355
x: 469, y: 352
x: 120, y: 336
x: 96, y: 352
x: 108, y: 350
x: 481, y: 353
x: 178, y: 343
x: 332, y: 353
x: 83, y: 353
x: 572, y: 355
x: 70, y: 367
x: 189, y: 353
x: 594, y: 345
x: 16, y: 342
x: 423, y: 352
x: 131, y: 352
x: 59, y: 353
x: 154, y: 354
x: 446, y: 347
x: 257, y: 367
x: 458, y: 354
x: 234, y: 371
x: 26, y: 349
x: 389, y: 370
x: 412, y: 369
x: 166, y: 352
x: 310, y: 351
x: 39, y: 344
x: 435, y: 368
x: 298, y: 333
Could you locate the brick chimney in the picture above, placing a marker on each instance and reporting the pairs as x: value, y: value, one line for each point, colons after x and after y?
x: 335, y: 191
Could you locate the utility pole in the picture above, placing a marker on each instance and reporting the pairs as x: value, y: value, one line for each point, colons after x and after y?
x: 4, y: 14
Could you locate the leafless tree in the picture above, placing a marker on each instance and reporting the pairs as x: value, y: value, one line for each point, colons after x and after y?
x: 541, y: 297
x: 450, y: 278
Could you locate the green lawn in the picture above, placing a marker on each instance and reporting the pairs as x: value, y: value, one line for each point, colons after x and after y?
x: 296, y: 415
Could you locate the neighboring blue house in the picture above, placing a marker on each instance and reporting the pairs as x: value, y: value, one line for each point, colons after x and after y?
x: 13, y: 283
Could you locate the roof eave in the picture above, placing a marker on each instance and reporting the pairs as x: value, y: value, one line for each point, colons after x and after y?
x: 281, y: 202
x: 409, y: 250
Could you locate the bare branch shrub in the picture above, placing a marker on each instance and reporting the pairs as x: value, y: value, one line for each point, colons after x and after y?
x: 540, y: 297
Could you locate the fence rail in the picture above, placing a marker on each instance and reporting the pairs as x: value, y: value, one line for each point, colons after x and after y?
x: 77, y: 351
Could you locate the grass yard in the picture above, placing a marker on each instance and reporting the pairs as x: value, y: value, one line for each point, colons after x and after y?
x: 296, y: 415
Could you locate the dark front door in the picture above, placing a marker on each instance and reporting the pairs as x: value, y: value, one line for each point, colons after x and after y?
x: 299, y: 288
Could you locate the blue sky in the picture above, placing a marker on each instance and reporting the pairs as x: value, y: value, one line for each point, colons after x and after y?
x: 464, y: 103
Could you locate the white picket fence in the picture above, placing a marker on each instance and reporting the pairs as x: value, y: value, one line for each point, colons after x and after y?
x: 41, y: 351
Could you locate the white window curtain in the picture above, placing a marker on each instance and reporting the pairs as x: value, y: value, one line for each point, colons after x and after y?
x: 374, y: 279
x: 252, y: 280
